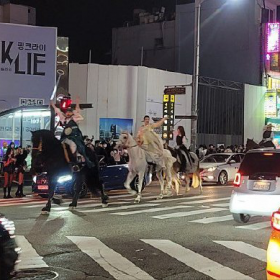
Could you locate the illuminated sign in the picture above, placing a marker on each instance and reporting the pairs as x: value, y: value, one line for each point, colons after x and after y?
x: 273, y: 42
x: 270, y: 104
x: 168, y: 112
x: 175, y: 90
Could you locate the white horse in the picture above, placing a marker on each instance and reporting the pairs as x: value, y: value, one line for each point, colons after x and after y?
x: 138, y: 165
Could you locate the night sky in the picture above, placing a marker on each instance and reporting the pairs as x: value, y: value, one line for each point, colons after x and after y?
x: 89, y: 23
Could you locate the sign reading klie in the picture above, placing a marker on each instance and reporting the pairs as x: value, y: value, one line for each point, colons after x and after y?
x: 168, y: 112
x: 27, y: 62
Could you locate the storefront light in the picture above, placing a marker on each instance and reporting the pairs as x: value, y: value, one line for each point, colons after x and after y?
x: 32, y: 114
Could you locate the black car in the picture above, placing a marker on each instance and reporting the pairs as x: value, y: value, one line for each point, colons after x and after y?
x: 8, y: 248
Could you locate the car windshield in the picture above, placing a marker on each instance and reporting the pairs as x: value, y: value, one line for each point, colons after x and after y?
x: 260, y: 163
x: 216, y: 158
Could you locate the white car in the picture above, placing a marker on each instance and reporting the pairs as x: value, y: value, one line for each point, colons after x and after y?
x: 220, y: 168
x: 256, y: 185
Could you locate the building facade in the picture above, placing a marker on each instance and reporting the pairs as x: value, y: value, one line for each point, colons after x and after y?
x: 17, y: 14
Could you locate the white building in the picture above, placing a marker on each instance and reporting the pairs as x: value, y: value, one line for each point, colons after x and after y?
x: 130, y: 92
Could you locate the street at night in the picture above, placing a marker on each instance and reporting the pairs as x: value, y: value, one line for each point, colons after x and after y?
x: 187, y: 237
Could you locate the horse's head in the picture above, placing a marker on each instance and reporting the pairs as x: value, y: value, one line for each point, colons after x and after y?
x: 124, y: 140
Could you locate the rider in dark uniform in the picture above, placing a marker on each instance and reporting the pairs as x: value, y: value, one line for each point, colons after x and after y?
x: 268, y: 136
x: 71, y: 134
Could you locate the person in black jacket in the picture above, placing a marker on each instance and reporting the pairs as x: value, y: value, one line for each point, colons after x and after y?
x: 20, y: 167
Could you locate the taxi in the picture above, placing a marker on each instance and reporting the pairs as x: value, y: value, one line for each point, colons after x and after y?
x: 273, y: 251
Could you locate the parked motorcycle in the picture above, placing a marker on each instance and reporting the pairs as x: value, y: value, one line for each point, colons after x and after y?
x: 8, y: 248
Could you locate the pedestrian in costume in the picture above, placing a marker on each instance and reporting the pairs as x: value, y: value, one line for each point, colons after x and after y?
x: 71, y: 134
x: 268, y: 136
x: 20, y: 165
x: 9, y: 168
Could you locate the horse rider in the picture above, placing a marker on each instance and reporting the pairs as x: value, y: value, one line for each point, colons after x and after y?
x: 71, y: 134
x: 149, y: 141
x: 268, y: 136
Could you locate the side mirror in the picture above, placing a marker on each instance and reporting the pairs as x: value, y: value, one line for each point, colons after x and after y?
x: 232, y: 161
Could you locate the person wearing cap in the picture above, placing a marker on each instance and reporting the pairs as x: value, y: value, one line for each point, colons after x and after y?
x: 268, y: 136
x: 71, y: 134
x: 149, y: 141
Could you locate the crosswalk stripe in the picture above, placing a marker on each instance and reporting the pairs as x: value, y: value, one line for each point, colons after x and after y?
x: 213, y: 219
x: 196, y: 261
x: 114, y: 263
x: 181, y: 198
x: 221, y: 204
x: 206, y: 200
x: 117, y: 208
x: 149, y: 210
x: 256, y: 226
x: 143, y: 198
x: 190, y: 213
x: 244, y: 248
x: 29, y: 257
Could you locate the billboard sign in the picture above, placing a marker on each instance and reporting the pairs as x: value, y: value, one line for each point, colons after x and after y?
x: 27, y: 62
x: 273, y: 37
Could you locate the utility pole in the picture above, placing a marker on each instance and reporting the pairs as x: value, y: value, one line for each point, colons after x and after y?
x: 195, y: 74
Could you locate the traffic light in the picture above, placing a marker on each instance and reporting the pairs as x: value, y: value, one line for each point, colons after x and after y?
x: 65, y: 103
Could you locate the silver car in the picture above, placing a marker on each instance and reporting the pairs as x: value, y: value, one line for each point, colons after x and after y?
x: 257, y: 185
x: 220, y: 168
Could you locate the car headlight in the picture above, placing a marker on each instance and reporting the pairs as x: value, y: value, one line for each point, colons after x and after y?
x: 34, y: 179
x: 211, y: 169
x: 63, y: 179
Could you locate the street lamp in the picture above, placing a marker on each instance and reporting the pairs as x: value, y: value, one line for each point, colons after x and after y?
x: 195, y: 73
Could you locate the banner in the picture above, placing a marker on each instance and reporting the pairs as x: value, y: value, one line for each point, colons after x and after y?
x: 27, y: 63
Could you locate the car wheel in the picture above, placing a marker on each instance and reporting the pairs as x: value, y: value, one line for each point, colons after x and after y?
x: 223, y: 178
x: 135, y: 183
x: 44, y: 195
x: 241, y: 218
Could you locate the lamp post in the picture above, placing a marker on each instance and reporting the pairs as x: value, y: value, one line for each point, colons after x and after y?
x: 195, y: 73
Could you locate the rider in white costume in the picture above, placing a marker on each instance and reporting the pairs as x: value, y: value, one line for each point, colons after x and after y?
x: 149, y: 141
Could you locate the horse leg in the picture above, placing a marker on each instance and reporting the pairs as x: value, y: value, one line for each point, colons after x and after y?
x: 77, y: 190
x: 140, y: 186
x: 131, y: 175
x: 161, y: 181
x: 188, y: 181
x: 168, y: 182
x: 104, y: 196
x: 46, y: 210
x: 199, y: 182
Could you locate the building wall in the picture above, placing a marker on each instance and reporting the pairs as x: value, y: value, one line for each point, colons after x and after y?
x: 230, y: 44
x: 124, y: 92
x: 127, y: 44
x: 18, y: 14
x: 254, y: 119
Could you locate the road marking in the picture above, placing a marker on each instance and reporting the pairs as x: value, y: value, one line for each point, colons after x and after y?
x: 256, y: 226
x: 181, y: 198
x: 190, y: 213
x: 108, y: 209
x: 206, y: 200
x: 29, y: 257
x: 221, y: 204
x: 149, y: 210
x: 143, y: 198
x: 213, y: 219
x: 114, y: 263
x: 244, y: 248
x: 195, y: 260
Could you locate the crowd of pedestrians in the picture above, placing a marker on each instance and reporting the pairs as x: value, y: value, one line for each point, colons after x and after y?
x: 13, y: 166
x: 203, y: 150
x: 108, y: 151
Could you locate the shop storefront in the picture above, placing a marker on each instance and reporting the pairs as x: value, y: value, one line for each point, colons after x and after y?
x: 16, y: 124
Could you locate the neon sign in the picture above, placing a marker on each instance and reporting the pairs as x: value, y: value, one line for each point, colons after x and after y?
x: 273, y: 40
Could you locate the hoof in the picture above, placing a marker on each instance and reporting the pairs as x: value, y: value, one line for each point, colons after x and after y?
x: 45, y: 212
x: 104, y: 205
x: 71, y: 208
x: 137, y: 201
x: 188, y: 189
x: 160, y: 196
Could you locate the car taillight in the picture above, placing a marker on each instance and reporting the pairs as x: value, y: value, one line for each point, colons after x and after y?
x: 275, y: 220
x: 237, y: 180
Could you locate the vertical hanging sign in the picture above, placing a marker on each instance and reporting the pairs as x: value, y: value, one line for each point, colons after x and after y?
x: 168, y: 112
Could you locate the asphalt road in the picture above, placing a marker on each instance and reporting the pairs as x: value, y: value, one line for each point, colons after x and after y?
x: 186, y: 237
